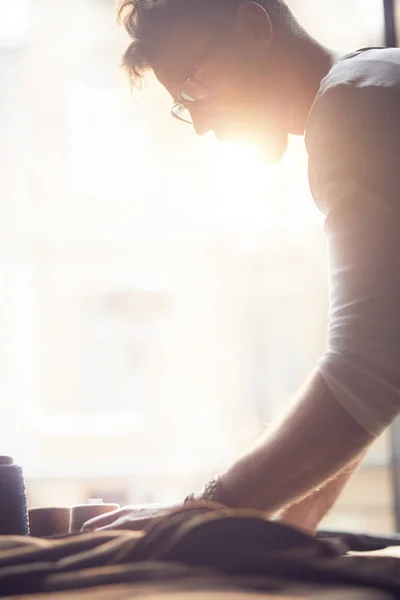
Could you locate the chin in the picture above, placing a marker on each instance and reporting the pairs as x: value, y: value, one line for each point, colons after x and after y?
x: 274, y: 150
x: 225, y: 135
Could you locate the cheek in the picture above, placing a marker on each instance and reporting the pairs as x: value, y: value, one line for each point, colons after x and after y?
x: 237, y: 91
x: 230, y: 102
x: 240, y: 107
x: 224, y: 77
x: 230, y: 88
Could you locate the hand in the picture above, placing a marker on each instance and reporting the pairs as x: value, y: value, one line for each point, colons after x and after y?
x: 143, y: 517
x: 130, y: 517
x: 309, y: 512
x: 305, y: 515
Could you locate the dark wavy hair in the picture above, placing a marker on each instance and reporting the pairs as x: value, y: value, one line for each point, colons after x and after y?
x: 147, y: 21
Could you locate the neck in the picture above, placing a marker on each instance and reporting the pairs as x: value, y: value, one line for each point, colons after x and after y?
x: 304, y: 64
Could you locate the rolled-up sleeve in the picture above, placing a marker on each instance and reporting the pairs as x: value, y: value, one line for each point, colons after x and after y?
x: 353, y: 142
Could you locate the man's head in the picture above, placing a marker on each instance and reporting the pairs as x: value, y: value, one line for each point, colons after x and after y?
x: 224, y: 62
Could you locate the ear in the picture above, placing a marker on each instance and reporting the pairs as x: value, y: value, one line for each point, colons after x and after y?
x: 253, y: 27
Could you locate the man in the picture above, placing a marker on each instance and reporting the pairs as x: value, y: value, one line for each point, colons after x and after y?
x: 247, y: 70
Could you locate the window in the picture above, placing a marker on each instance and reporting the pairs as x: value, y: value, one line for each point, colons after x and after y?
x: 14, y: 19
x: 106, y: 141
x: 112, y: 363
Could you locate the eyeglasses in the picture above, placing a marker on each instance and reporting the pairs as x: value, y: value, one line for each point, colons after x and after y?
x: 192, y: 90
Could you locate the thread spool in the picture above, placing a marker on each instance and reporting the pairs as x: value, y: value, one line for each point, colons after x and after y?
x: 13, y: 500
x: 84, y: 512
x: 45, y: 522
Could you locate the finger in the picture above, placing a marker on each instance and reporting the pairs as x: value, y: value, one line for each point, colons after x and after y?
x: 131, y: 525
x: 112, y: 516
x: 125, y: 518
x: 101, y: 521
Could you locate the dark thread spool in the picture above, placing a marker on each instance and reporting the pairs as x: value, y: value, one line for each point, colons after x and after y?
x: 13, y: 500
x: 84, y: 512
x: 49, y: 521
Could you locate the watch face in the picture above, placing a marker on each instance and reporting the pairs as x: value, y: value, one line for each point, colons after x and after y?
x: 211, y: 489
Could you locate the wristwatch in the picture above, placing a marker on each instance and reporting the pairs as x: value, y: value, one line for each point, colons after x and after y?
x: 211, y: 492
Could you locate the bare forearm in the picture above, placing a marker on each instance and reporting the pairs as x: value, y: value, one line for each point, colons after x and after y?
x: 316, y: 439
x: 310, y: 511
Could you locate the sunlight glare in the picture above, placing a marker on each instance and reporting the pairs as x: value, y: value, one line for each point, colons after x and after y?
x: 251, y: 194
x: 14, y: 18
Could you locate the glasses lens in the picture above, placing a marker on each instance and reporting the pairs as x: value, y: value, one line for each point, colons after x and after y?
x: 191, y: 91
x: 179, y: 111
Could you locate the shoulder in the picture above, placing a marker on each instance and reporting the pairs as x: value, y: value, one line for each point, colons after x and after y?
x: 369, y: 68
x: 359, y: 83
x: 353, y: 130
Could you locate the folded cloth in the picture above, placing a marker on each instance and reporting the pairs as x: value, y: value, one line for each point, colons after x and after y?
x: 222, y: 548
x: 360, y: 542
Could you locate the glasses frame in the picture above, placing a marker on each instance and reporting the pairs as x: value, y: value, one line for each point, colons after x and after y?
x: 181, y: 104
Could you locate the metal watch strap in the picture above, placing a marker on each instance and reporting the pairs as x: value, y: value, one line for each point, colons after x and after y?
x: 210, y: 491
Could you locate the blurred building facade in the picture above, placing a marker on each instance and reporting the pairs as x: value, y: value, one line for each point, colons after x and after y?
x: 161, y: 298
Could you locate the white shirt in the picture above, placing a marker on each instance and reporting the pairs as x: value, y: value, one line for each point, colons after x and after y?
x: 353, y: 141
